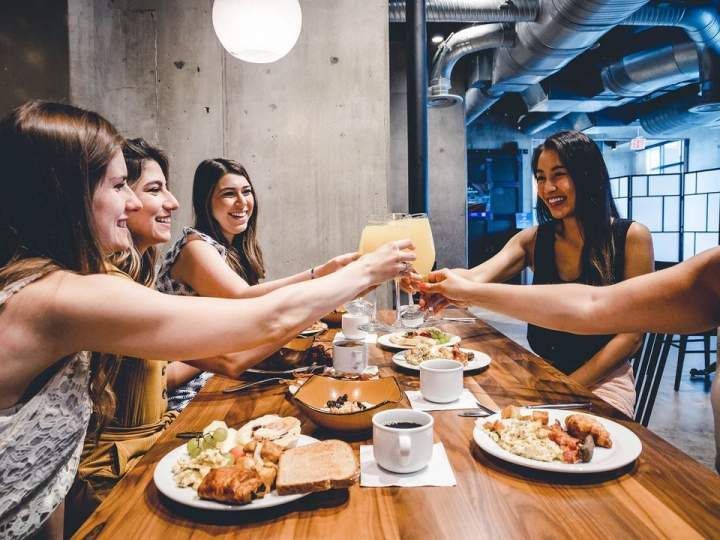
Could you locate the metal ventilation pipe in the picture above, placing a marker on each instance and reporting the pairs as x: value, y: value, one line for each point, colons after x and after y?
x: 478, y: 79
x: 467, y: 41
x: 564, y: 29
x: 641, y: 73
x: 702, y: 24
x: 471, y: 11
x: 672, y: 113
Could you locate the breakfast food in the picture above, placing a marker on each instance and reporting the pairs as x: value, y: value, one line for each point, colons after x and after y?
x: 422, y: 352
x: 532, y: 436
x: 271, y: 427
x: 233, y: 484
x: 412, y: 338
x: 342, y: 405
x: 236, y: 466
x: 581, y: 425
x: 257, y: 458
x: 317, y: 467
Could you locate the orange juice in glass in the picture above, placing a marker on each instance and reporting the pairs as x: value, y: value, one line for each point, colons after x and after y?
x: 416, y: 227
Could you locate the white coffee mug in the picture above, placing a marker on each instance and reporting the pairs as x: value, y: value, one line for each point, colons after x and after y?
x: 350, y: 356
x: 441, y: 381
x: 351, y: 324
x: 402, y: 439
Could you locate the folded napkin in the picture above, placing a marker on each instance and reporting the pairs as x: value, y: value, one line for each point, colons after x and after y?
x: 369, y: 338
x: 438, y: 472
x: 418, y: 402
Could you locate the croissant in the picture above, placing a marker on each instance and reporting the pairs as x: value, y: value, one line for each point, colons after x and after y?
x: 234, y: 484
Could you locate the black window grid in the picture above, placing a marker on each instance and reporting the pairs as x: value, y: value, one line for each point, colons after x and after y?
x: 625, y: 197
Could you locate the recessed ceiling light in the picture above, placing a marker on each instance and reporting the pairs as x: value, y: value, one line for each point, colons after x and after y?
x: 437, y: 39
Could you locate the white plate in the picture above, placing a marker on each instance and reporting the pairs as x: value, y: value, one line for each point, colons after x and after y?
x: 480, y: 360
x: 188, y: 496
x: 314, y: 330
x: 625, y: 449
x: 384, y: 340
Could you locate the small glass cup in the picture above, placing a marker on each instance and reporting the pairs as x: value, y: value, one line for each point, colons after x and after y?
x: 412, y: 316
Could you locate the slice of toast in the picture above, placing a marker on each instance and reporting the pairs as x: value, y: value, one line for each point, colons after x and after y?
x: 317, y: 467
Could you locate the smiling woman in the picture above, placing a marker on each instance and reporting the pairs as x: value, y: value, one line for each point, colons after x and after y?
x: 60, y: 298
x: 221, y: 256
x: 580, y: 239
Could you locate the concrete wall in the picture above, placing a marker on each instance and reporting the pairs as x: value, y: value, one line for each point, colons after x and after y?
x: 312, y: 128
x: 33, y: 52
x: 447, y: 167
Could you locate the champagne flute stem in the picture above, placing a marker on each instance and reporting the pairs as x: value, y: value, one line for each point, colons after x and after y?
x: 397, y: 303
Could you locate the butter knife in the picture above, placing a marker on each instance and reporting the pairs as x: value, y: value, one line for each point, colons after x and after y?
x: 247, y: 386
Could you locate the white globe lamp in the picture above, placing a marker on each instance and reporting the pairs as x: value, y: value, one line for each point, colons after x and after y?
x: 257, y: 31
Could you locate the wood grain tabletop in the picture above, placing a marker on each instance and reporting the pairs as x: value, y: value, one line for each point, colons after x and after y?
x: 664, y: 494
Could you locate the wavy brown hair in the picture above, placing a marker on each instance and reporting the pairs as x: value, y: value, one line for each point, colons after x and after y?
x: 594, y: 205
x: 137, y: 152
x: 244, y: 254
x: 53, y: 157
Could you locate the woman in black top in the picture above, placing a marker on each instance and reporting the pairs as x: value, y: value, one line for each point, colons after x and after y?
x: 580, y: 239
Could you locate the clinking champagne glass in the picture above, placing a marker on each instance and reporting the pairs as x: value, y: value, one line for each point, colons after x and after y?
x: 397, y: 226
x: 418, y: 230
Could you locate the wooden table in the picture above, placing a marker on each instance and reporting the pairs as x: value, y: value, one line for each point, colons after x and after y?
x: 664, y: 494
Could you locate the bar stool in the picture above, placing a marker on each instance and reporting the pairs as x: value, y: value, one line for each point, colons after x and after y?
x: 682, y: 351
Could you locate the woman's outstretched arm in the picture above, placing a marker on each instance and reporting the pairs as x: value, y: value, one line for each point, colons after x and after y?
x: 682, y: 299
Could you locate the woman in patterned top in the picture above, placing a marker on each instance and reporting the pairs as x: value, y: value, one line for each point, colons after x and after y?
x: 64, y: 209
x: 221, y: 256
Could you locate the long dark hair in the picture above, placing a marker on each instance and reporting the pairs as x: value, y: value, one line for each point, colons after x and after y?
x: 53, y: 157
x: 136, y: 152
x: 244, y: 254
x: 594, y: 205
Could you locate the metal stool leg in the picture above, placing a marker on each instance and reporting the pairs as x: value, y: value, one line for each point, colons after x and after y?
x: 680, y: 361
x: 706, y: 342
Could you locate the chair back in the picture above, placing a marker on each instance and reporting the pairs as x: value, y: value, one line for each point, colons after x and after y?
x: 648, y: 366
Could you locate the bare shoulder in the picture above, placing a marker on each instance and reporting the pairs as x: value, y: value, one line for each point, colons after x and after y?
x: 526, y: 237
x: 638, y: 234
x: 198, y: 249
x: 47, y: 303
x: 196, y: 254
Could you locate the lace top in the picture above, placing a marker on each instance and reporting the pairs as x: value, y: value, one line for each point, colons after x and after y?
x: 41, y: 441
x: 183, y: 394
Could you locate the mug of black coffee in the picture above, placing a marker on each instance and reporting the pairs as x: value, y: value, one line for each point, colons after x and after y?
x: 402, y: 439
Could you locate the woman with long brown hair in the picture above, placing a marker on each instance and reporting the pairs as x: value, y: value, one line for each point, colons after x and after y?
x: 64, y: 209
x: 220, y: 256
x: 580, y: 239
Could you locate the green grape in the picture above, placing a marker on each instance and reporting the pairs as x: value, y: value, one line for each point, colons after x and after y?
x: 193, y: 447
x: 220, y: 434
x: 209, y: 441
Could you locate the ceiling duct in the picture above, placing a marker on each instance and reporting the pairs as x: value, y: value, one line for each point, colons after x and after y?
x: 644, y: 72
x: 672, y: 113
x: 564, y: 29
x: 702, y: 24
x: 632, y: 76
x: 470, y: 40
x: 471, y: 11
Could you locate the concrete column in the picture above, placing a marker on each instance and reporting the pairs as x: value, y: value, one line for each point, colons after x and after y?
x: 447, y: 161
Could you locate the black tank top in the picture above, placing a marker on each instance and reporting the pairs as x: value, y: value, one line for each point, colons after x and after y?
x: 567, y: 352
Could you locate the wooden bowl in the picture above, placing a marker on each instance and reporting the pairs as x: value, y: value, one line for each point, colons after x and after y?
x: 317, y: 391
x: 292, y: 355
x: 334, y: 318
